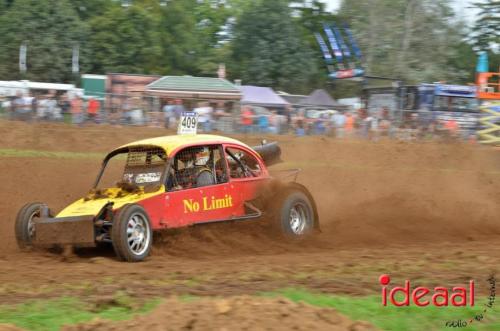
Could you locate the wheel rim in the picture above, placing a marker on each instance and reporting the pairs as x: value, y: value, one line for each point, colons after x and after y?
x: 31, y: 225
x: 138, y: 234
x: 298, y: 219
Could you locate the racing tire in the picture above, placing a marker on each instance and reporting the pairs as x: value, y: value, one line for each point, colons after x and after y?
x: 131, y: 234
x: 294, y: 215
x: 24, y: 226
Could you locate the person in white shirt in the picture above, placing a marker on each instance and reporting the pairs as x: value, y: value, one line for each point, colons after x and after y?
x: 204, y: 112
x: 338, y: 120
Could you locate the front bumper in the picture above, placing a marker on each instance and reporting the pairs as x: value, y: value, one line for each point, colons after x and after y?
x: 79, y: 231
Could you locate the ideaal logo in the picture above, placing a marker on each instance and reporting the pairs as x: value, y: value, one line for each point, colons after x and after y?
x: 422, y: 296
x: 458, y: 296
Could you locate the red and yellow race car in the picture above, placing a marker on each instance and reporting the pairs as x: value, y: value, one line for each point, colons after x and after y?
x: 170, y: 182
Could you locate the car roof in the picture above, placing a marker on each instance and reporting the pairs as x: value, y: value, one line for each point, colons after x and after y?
x: 172, y: 143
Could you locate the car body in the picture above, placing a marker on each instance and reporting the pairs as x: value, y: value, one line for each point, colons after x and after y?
x: 170, y: 209
x: 167, y: 182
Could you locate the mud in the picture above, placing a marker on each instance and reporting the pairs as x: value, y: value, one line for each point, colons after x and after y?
x: 430, y: 211
x: 237, y: 313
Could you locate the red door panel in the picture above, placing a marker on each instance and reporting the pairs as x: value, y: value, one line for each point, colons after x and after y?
x: 203, y: 204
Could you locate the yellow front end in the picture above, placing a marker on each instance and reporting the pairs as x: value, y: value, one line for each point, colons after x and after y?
x: 93, y: 203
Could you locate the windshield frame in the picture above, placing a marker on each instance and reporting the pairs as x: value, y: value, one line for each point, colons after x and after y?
x: 125, y: 151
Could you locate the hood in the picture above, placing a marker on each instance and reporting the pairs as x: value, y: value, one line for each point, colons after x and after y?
x: 93, y: 203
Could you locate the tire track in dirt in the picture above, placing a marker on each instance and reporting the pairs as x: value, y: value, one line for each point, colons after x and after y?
x: 388, y: 197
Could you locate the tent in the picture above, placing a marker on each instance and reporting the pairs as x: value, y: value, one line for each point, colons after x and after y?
x: 320, y: 98
x: 261, y: 96
x: 189, y: 87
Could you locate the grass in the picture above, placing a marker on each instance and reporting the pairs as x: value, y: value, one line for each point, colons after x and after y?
x: 412, y: 318
x: 51, y: 315
x: 7, y: 152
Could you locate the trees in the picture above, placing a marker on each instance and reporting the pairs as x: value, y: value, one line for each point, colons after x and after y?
x: 50, y: 29
x: 125, y: 40
x: 485, y: 33
x: 88, y: 9
x: 269, y: 48
x: 408, y: 39
x: 263, y: 42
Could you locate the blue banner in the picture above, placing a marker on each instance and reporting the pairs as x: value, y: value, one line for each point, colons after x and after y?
x: 333, y: 43
x: 324, y: 48
x: 464, y: 91
x: 343, y: 45
x: 353, y: 43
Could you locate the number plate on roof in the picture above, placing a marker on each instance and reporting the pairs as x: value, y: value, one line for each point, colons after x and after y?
x: 188, y: 123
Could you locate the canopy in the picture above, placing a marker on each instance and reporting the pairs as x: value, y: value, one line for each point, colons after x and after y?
x: 189, y: 87
x: 320, y: 98
x: 261, y: 96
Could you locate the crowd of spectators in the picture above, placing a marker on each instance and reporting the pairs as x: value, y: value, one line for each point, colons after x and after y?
x: 216, y: 117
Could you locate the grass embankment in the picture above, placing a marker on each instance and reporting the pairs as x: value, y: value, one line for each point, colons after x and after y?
x: 9, y: 152
x: 413, y: 318
x: 51, y: 315
x: 48, y: 315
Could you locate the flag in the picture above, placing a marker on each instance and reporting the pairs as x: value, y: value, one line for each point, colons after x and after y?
x: 353, y: 43
x: 343, y: 46
x: 23, y: 50
x: 324, y: 48
x: 333, y: 43
x: 75, y: 68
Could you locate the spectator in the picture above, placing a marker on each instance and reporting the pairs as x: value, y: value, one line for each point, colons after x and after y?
x: 41, y: 110
x: 65, y: 107
x: 274, y: 123
x: 319, y: 125
x: 169, y: 113
x: 263, y: 123
x: 246, y: 119
x: 349, y: 124
x: 2, y: 104
x: 204, y: 112
x: 299, y: 123
x: 22, y: 107
x: 220, y: 112
x: 33, y: 103
x: 77, y: 110
x: 385, y: 123
x: 285, y: 128
x: 451, y: 126
x: 179, y: 109
x: 339, y: 123
x: 93, y: 109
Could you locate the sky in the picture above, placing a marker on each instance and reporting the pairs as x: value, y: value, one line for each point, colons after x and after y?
x: 459, y: 5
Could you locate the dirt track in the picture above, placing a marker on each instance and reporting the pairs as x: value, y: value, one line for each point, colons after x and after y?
x: 414, y: 210
x: 238, y: 313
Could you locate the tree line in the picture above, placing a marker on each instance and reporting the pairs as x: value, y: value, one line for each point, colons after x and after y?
x: 268, y: 43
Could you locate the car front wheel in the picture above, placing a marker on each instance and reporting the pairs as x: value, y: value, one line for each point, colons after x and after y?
x: 25, y: 227
x: 131, y: 234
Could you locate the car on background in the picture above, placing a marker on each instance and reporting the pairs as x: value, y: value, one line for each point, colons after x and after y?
x: 172, y: 182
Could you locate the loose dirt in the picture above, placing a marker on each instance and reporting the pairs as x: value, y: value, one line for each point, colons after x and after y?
x: 237, y: 313
x: 422, y: 210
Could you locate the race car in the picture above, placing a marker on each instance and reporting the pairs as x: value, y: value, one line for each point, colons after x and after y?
x: 172, y: 182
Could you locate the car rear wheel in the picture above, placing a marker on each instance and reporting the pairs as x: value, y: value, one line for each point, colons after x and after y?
x: 294, y: 215
x: 131, y: 234
x: 25, y: 227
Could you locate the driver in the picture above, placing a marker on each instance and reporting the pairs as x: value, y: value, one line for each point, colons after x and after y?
x: 195, y: 172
